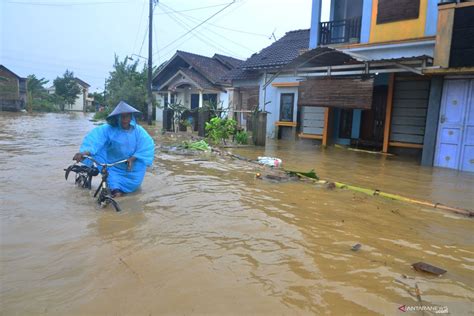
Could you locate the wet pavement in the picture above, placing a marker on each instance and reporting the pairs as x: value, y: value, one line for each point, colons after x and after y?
x: 203, y: 236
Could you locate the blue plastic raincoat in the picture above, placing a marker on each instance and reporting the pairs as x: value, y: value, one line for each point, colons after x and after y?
x: 110, y: 143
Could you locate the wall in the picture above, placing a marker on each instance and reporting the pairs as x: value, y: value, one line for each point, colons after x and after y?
x: 223, y: 98
x: 160, y: 99
x: 401, y: 30
x: 9, y: 89
x: 272, y: 99
x: 78, y: 104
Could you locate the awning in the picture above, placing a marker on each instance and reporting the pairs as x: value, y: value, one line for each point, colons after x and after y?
x: 327, y: 62
x: 347, y: 93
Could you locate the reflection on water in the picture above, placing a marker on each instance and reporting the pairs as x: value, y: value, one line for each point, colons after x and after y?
x: 204, y: 236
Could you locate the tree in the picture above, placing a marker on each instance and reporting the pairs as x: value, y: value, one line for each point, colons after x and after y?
x: 67, y: 88
x: 38, y: 98
x: 127, y: 83
x: 98, y: 98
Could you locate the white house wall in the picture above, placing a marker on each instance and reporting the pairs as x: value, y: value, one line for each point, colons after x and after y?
x: 79, y: 104
x: 159, y: 109
x: 224, y: 99
x: 272, y: 100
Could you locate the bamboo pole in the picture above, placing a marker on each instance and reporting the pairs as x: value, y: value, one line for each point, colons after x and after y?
x: 372, y: 192
x: 388, y: 113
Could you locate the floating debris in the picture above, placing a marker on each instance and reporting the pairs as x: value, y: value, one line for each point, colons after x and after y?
x: 425, y: 267
x: 197, y: 145
x: 356, y: 247
x: 269, y: 161
x: 310, y: 174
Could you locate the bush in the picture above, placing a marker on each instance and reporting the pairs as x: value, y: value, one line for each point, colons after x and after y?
x: 242, y: 137
x: 44, y: 106
x: 220, y: 129
x: 198, y: 145
x: 102, y: 115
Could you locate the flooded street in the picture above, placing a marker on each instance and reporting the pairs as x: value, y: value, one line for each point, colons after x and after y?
x: 203, y: 236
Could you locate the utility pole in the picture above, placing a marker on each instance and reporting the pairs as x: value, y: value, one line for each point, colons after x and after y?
x: 150, y: 63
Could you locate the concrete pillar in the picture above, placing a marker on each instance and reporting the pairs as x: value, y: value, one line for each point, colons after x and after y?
x: 444, y: 35
x: 234, y: 103
x: 200, y: 99
x: 432, y: 117
x: 315, y: 20
x: 366, y: 21
x: 169, y: 97
x: 259, y: 133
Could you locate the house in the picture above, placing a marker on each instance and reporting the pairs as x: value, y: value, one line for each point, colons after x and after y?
x: 13, y: 90
x: 82, y: 101
x: 260, y: 81
x: 388, y: 95
x: 376, y: 76
x: 191, y: 80
x: 452, y: 140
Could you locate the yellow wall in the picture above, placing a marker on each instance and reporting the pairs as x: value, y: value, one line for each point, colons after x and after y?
x: 400, y: 30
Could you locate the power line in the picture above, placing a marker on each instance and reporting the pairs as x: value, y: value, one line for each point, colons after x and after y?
x: 235, y: 30
x: 156, y: 41
x: 139, y: 26
x: 215, y: 25
x: 199, y: 36
x: 194, y: 9
x: 183, y: 35
x: 143, y: 42
x: 228, y: 39
x: 225, y: 38
x: 67, y: 4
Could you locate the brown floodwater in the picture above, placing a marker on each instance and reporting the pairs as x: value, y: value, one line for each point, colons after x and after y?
x: 203, y: 236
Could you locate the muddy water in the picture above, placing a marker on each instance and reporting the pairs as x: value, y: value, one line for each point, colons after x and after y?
x: 203, y: 236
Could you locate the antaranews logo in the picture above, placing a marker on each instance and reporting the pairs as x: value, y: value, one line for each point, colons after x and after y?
x: 424, y: 308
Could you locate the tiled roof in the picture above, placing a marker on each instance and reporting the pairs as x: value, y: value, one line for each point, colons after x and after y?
x: 280, y: 52
x: 210, y: 68
x: 230, y: 62
x: 14, y: 74
x: 197, y: 78
x: 82, y: 83
x: 241, y: 74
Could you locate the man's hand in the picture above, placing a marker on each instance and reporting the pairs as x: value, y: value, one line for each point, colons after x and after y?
x: 80, y: 156
x: 130, y: 162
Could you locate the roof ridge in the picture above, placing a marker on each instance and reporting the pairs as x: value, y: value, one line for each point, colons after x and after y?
x: 182, y: 51
x: 300, y: 30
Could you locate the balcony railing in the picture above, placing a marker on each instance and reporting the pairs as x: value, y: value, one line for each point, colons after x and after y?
x: 341, y: 31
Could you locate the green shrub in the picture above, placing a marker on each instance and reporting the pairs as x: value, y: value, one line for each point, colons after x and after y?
x: 220, y: 129
x: 103, y: 114
x: 44, y: 106
x: 242, y: 137
x: 198, y: 145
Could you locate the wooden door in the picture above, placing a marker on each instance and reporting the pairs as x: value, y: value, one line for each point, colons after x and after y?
x: 372, y: 125
x: 455, y: 141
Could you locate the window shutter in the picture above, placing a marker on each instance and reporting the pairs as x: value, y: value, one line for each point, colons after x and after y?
x: 399, y: 10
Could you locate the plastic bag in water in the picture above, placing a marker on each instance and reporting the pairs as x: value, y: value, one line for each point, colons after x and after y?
x: 270, y: 161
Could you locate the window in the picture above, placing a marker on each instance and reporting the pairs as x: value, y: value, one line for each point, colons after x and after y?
x: 209, y: 97
x: 286, y: 107
x: 399, y: 10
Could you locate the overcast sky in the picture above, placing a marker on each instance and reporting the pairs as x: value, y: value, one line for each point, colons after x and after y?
x: 46, y: 37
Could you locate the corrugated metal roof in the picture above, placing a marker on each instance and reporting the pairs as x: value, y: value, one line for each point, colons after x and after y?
x: 321, y: 56
x: 326, y: 56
